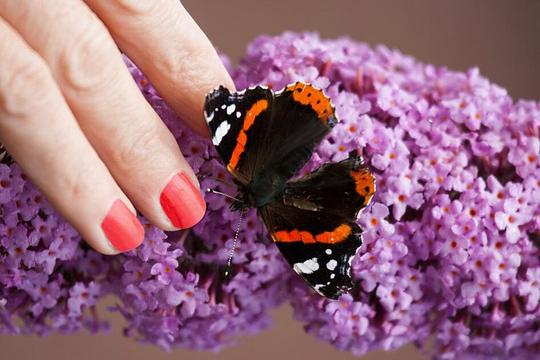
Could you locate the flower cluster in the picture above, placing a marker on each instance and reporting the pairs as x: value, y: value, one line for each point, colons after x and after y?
x: 451, y: 240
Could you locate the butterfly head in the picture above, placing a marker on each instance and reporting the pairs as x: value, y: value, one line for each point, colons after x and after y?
x: 256, y: 195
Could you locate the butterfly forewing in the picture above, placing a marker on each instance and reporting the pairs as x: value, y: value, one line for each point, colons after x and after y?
x: 230, y: 118
x: 265, y: 138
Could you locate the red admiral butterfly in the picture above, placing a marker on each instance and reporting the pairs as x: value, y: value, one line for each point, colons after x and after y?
x: 265, y: 138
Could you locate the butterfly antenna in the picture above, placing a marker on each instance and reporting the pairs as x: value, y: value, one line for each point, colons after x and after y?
x: 223, y: 194
x: 235, y: 241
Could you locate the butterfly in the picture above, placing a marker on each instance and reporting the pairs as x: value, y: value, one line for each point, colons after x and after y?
x: 264, y: 138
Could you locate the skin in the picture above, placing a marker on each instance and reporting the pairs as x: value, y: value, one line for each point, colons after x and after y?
x: 74, y: 119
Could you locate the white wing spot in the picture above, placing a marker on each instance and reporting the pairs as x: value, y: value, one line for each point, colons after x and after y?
x: 331, y: 265
x: 221, y: 131
x: 209, y: 117
x: 230, y: 109
x: 238, y: 114
x: 223, y: 106
x: 328, y: 251
x: 307, y: 267
x: 332, y: 276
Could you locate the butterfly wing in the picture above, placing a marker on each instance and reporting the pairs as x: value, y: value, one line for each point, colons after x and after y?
x: 265, y: 138
x: 314, y: 224
x: 343, y: 188
x: 230, y: 117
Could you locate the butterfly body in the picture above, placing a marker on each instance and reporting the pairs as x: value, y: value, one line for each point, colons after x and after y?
x: 261, y: 191
x: 264, y: 139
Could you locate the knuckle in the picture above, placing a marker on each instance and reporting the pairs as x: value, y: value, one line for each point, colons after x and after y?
x: 179, y: 64
x: 138, y: 148
x: 27, y: 84
x: 76, y: 185
x: 87, y: 61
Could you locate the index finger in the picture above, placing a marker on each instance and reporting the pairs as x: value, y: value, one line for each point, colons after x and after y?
x: 169, y: 47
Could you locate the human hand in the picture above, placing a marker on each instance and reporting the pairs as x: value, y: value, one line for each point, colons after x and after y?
x: 75, y: 121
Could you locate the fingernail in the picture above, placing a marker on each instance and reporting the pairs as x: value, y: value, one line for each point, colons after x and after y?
x: 122, y: 228
x: 182, y: 202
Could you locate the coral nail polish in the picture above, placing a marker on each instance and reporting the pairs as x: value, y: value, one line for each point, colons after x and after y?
x: 182, y: 201
x: 122, y: 228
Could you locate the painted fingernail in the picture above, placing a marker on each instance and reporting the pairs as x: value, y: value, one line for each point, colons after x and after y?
x: 122, y: 228
x: 182, y: 201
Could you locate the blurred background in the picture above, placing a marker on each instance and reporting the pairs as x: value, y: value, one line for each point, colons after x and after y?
x: 501, y: 37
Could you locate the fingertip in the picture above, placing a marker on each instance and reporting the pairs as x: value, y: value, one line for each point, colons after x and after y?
x: 182, y: 201
x: 122, y: 229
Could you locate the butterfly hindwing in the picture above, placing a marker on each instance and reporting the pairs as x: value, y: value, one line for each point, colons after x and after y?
x: 314, y: 225
x: 318, y: 246
x: 327, y: 269
x: 342, y: 188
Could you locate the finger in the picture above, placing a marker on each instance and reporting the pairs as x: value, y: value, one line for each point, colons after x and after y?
x: 41, y: 133
x: 130, y: 138
x: 170, y: 48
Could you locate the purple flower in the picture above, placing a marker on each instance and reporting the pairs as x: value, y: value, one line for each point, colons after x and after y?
x: 187, y: 296
x: 5, y: 184
x: 530, y: 288
x: 350, y: 316
x: 525, y: 155
x: 82, y: 296
x: 165, y: 271
x: 509, y: 219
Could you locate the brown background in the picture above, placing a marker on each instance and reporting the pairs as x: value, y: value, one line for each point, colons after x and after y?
x: 501, y: 37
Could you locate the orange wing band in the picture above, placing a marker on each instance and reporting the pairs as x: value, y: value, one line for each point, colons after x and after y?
x: 252, y: 113
x: 364, y: 184
x: 335, y: 236
x: 315, y: 98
